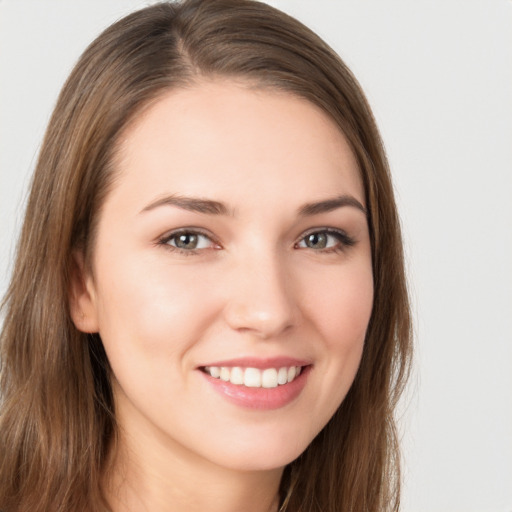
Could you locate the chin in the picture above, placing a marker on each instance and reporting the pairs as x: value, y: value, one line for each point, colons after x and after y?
x: 267, y: 452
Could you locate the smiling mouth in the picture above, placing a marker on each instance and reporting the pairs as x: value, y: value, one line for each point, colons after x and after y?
x: 254, y: 377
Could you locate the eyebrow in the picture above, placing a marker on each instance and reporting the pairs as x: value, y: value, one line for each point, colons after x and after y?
x: 191, y: 204
x: 328, y: 205
x: 211, y: 207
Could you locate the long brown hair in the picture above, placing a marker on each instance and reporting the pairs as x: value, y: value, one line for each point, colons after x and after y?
x: 57, y: 420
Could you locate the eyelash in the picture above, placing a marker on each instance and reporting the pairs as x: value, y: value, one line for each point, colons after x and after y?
x: 345, y: 241
x: 164, y: 241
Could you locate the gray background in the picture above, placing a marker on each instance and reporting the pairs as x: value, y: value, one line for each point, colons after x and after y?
x: 438, y: 74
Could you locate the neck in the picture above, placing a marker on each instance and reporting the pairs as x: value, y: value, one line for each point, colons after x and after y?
x: 148, y: 475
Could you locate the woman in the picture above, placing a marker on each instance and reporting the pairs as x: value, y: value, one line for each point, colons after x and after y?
x: 208, y: 309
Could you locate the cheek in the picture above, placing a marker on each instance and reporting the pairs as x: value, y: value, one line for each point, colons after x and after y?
x: 156, y: 310
x: 341, y: 305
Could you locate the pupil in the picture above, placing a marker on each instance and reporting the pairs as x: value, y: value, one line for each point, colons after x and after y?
x: 317, y: 240
x: 187, y: 241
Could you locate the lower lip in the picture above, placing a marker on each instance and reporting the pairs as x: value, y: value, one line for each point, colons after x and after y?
x: 260, y: 398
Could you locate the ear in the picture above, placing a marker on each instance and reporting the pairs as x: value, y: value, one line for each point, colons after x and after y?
x: 82, y: 298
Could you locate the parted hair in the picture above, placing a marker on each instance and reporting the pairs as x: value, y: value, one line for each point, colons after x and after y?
x: 57, y: 416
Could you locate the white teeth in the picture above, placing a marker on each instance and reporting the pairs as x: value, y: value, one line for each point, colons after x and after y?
x: 214, y: 371
x: 254, y: 377
x: 237, y: 375
x: 269, y: 378
x: 282, y: 376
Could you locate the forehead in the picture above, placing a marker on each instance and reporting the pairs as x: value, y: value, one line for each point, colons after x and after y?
x: 217, y: 137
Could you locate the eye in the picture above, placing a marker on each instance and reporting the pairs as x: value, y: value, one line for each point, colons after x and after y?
x: 327, y: 240
x: 187, y: 241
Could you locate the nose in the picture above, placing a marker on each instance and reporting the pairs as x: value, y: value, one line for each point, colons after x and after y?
x: 261, y: 300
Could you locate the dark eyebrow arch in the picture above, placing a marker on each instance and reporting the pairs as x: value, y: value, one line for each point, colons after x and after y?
x: 192, y: 204
x: 329, y: 205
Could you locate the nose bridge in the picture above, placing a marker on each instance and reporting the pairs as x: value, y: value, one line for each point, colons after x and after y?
x: 260, y: 297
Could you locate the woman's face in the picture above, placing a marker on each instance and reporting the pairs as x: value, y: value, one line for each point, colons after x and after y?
x: 232, y: 249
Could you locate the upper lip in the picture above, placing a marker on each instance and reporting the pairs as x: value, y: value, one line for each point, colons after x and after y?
x: 260, y: 363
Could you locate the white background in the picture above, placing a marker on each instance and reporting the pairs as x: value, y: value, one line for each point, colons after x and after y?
x: 439, y: 77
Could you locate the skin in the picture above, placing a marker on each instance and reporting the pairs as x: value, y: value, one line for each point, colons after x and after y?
x: 252, y: 288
